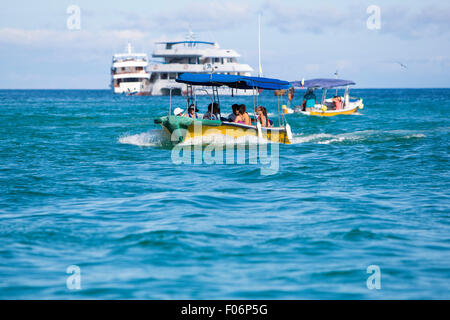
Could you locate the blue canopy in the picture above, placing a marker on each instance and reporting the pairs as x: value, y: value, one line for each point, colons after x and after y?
x: 232, y: 81
x: 322, y: 83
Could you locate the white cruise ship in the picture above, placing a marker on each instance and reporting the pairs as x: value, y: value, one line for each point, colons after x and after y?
x: 194, y: 57
x: 129, y: 73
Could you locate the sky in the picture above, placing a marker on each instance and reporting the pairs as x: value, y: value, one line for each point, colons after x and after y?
x: 406, y: 45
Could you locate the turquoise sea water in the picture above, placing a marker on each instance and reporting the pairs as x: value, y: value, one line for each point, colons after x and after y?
x: 86, y: 179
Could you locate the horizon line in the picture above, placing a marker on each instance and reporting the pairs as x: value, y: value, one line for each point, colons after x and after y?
x: 106, y: 89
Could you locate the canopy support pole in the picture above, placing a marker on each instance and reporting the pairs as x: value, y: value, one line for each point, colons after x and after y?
x: 324, y: 96
x: 253, y: 96
x: 190, y: 97
x: 279, y: 116
x: 346, y: 98
x: 215, y: 91
x: 170, y: 101
x: 257, y: 104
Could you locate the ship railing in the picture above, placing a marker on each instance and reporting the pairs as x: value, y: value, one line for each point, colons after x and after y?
x: 129, y: 71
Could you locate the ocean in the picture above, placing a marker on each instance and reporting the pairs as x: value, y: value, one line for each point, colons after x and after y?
x: 92, y: 205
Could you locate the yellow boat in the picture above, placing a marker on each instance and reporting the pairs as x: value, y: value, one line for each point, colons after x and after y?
x: 189, y: 130
x: 328, y: 107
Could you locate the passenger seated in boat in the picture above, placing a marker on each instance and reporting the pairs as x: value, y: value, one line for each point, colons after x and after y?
x: 337, y: 103
x: 192, y: 112
x: 239, y: 118
x: 247, y: 119
x: 216, y: 112
x: 309, y: 100
x: 232, y: 116
x: 262, y: 117
x: 213, y: 112
x: 178, y: 112
x: 242, y: 116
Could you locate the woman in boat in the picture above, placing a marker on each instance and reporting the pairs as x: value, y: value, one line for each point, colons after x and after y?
x: 213, y: 112
x: 239, y: 119
x: 262, y: 116
x: 192, y: 112
x: 232, y: 116
x: 240, y: 114
x: 337, y: 102
x: 309, y: 100
x: 243, y: 116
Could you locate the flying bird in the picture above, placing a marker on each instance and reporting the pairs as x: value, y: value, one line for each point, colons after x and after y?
x: 402, y: 65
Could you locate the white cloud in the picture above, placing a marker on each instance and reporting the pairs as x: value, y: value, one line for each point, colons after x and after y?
x: 64, y: 38
x: 403, y: 21
x: 410, y: 22
x: 313, y: 19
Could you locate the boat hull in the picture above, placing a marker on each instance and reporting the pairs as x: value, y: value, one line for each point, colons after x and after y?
x: 331, y: 113
x: 353, y: 108
x: 186, y: 130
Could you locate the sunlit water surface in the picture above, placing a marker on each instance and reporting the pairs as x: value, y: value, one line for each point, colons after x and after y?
x: 87, y: 179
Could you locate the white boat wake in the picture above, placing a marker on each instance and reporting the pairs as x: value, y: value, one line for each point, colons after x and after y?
x: 357, y: 137
x: 158, y: 138
x: 154, y: 138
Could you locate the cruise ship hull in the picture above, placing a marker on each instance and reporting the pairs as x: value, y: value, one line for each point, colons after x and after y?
x: 176, y: 89
x: 130, y: 88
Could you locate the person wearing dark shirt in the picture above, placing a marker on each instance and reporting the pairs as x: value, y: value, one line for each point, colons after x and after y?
x: 213, y: 112
x: 232, y: 116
